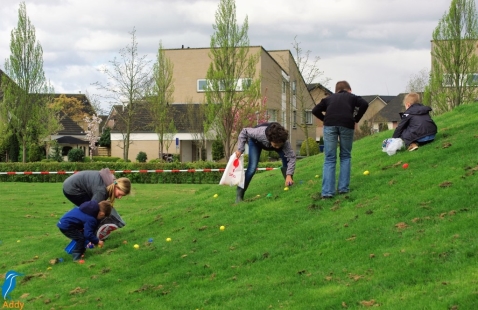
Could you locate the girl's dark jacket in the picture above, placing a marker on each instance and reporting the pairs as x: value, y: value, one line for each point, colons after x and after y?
x: 416, y: 123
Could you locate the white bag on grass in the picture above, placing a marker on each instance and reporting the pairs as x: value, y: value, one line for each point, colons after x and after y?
x: 392, y: 145
x: 234, y: 172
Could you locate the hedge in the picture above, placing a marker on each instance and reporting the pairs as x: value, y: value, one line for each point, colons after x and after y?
x: 150, y: 177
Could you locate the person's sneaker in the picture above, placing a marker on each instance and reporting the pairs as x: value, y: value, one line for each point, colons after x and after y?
x: 105, y: 230
x: 413, y: 147
x: 326, y: 197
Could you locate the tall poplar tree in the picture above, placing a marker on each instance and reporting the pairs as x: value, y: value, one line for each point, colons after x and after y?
x: 233, y: 90
x: 454, y: 74
x: 25, y: 90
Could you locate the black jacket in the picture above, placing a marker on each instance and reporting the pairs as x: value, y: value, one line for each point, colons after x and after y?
x: 416, y: 123
x: 341, y: 109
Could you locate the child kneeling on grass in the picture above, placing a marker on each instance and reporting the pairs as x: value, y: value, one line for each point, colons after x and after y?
x: 79, y: 224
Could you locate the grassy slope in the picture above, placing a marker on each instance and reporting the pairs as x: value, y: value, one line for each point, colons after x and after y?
x: 402, y: 239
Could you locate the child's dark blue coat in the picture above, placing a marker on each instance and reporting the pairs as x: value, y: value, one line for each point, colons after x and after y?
x: 83, y: 218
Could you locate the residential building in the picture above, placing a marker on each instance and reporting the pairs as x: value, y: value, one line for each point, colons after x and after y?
x: 375, y: 104
x: 288, y: 100
x: 318, y: 92
x: 389, y: 116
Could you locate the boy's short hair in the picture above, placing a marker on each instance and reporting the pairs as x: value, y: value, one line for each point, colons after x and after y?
x: 411, y: 98
x: 105, y: 207
x: 342, y: 85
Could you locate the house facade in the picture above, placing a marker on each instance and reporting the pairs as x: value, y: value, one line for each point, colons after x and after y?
x: 389, y: 116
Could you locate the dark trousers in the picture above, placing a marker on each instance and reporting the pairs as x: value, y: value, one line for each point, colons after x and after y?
x: 255, y: 150
x: 76, y: 235
x: 77, y: 200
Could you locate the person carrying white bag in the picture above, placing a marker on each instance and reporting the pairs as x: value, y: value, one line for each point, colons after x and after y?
x: 269, y: 137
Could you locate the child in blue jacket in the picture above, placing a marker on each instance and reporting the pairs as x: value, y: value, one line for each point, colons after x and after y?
x: 79, y: 224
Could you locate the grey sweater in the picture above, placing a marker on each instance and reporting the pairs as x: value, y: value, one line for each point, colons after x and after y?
x: 90, y: 182
x: 259, y: 134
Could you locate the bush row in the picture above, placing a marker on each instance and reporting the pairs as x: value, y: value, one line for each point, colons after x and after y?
x: 150, y: 177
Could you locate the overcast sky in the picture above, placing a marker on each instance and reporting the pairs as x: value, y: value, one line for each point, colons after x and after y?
x: 377, y: 45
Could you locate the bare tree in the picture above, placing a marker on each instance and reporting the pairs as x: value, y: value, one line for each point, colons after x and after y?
x: 128, y: 81
x: 160, y: 98
x: 195, y: 117
x: 302, y: 100
x: 418, y: 82
x: 232, y: 91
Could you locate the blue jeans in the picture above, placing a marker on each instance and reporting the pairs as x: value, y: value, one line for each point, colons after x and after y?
x: 255, y: 150
x: 77, y: 235
x: 429, y: 138
x: 344, y: 136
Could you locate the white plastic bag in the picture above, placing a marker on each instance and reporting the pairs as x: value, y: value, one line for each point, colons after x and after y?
x: 234, y: 172
x: 392, y: 145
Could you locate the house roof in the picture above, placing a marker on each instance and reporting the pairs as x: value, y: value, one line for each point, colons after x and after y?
x: 70, y: 127
x: 370, y: 98
x: 71, y: 140
x: 313, y: 86
x: 185, y: 117
x: 390, y: 112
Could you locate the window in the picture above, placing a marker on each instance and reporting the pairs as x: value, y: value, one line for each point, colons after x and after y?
x: 308, y: 117
x: 245, y: 83
x: 241, y: 84
x: 284, y: 86
x: 294, y: 87
x: 272, y: 115
x: 294, y: 119
x: 470, y: 80
x: 201, y: 87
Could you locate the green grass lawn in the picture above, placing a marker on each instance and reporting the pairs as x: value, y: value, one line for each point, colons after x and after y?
x: 401, y: 239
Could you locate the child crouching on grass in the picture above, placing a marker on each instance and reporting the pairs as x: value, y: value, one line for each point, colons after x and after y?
x: 79, y: 224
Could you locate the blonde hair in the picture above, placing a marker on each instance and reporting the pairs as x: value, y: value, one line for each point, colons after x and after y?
x: 411, y: 98
x: 124, y: 184
x: 105, y: 207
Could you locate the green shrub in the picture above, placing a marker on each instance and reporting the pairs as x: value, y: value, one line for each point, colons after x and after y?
x: 141, y: 157
x: 264, y: 157
x: 56, y: 154
x: 313, y: 147
x: 217, y: 150
x: 105, y: 159
x: 76, y: 155
x: 273, y: 154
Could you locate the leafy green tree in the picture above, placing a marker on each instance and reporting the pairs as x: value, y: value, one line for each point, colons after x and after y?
x: 160, y: 97
x: 454, y: 71
x: 128, y: 81
x: 105, y: 139
x: 25, y: 88
x: 232, y: 91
